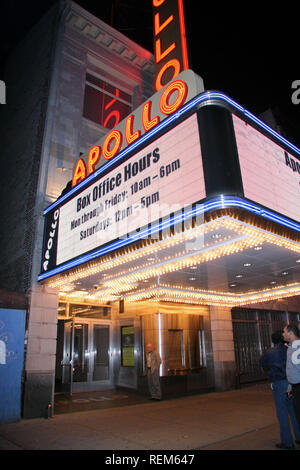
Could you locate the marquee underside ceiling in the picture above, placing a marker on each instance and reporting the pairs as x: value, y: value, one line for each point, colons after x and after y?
x: 225, y: 261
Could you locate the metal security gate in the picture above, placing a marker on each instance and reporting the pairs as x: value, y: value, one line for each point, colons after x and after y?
x: 252, y: 332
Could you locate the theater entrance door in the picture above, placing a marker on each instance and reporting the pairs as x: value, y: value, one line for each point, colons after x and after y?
x: 83, y: 356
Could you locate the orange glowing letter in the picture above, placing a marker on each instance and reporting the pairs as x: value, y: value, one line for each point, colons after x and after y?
x: 171, y: 63
x: 157, y: 27
x: 79, y: 173
x: 181, y: 87
x: 113, y: 135
x: 147, y: 122
x: 131, y: 136
x: 160, y: 56
x: 157, y: 3
x: 94, y: 157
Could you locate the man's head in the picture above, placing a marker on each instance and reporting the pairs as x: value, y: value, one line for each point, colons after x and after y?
x: 290, y: 333
x: 277, y: 337
x: 149, y: 347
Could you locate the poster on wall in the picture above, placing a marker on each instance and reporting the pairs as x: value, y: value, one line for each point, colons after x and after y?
x: 127, y: 346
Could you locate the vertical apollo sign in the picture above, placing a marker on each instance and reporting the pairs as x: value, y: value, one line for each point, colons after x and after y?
x: 50, y: 241
x: 170, y: 47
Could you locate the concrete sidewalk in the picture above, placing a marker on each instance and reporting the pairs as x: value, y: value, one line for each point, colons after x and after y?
x: 235, y: 420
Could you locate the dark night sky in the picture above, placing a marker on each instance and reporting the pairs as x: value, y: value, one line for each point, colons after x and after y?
x: 247, y: 50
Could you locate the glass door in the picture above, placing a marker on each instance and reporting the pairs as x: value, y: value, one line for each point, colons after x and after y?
x: 83, y: 348
x: 83, y: 359
x: 100, y: 339
x: 64, y: 356
x: 81, y: 353
x: 90, y: 356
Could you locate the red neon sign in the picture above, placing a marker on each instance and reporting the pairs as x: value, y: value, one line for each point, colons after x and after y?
x: 170, y: 49
x: 105, y: 104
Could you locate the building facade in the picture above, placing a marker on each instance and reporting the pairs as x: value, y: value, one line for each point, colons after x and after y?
x: 203, y: 280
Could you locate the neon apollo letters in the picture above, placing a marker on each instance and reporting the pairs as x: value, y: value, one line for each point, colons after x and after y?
x: 169, y: 30
x: 172, y: 98
x: 49, y: 244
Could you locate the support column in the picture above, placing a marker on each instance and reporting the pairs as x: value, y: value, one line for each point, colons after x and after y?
x: 223, y: 348
x: 41, y: 352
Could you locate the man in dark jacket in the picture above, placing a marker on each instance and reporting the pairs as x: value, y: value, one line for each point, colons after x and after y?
x: 274, y: 360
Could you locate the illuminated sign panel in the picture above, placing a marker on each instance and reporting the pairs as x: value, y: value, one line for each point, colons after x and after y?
x: 271, y: 176
x: 140, y: 191
x: 170, y: 48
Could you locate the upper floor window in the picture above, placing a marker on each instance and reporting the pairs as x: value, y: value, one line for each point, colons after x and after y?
x: 104, y: 103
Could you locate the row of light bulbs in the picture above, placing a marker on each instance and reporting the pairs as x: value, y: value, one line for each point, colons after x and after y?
x: 183, y: 295
x: 149, y: 249
x: 239, y: 236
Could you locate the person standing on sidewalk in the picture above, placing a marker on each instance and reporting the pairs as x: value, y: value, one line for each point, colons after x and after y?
x: 153, y: 362
x: 291, y: 334
x: 274, y: 359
